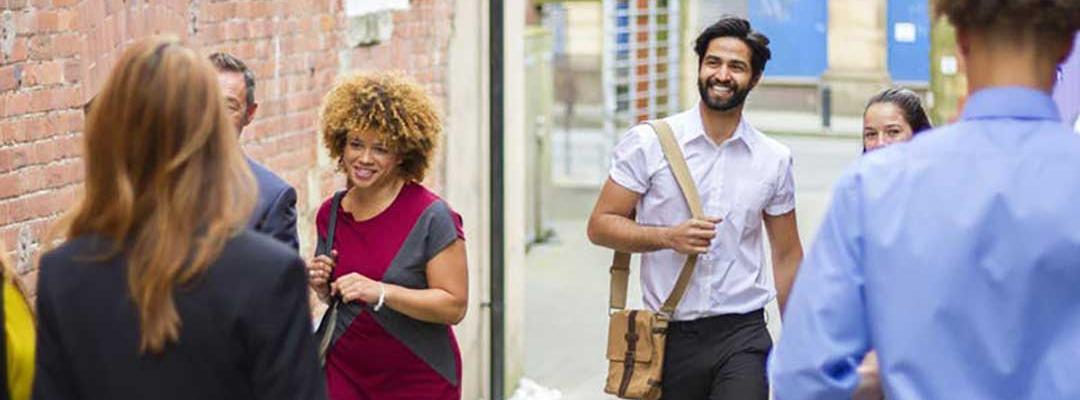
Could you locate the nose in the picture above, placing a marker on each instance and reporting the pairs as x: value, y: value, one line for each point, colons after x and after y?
x: 723, y: 74
x: 874, y: 143
x: 366, y: 156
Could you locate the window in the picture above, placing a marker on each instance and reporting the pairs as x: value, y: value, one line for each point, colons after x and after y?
x: 638, y: 64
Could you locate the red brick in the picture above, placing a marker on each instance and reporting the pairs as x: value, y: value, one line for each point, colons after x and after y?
x: 72, y: 71
x: 66, y: 20
x: 65, y: 3
x: 16, y: 103
x: 23, y: 208
x: 45, y: 21
x: 47, y: 47
x: 44, y: 73
x: 19, y: 51
x: 10, y: 77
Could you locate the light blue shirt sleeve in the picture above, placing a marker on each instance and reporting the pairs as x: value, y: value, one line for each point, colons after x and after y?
x: 825, y: 333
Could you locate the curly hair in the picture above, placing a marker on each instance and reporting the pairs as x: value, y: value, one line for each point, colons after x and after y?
x: 391, y: 105
x: 1049, y: 18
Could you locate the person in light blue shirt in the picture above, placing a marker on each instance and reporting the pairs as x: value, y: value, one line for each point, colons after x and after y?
x: 956, y: 256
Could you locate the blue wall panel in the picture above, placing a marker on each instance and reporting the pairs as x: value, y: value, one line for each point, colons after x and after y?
x: 798, y: 32
x: 909, y: 55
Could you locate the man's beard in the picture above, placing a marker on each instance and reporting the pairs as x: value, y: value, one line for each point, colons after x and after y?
x: 737, y: 98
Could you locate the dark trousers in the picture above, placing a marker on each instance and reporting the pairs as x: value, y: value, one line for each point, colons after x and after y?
x: 717, y: 358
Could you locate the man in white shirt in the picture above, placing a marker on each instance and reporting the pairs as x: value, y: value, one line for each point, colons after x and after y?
x: 718, y: 342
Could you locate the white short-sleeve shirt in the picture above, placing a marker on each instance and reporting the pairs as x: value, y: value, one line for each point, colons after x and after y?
x: 738, y: 180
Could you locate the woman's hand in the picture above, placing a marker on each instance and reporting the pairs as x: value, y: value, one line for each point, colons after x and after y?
x: 356, y: 287
x: 319, y: 270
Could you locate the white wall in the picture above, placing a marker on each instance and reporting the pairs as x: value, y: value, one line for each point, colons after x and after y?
x: 467, y: 188
x: 465, y: 149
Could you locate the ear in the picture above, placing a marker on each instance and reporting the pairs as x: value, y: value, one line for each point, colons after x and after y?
x: 250, y: 115
x: 754, y: 81
x: 1066, y: 50
x: 963, y: 42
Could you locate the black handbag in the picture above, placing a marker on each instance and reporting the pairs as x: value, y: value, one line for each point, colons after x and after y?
x: 329, y: 329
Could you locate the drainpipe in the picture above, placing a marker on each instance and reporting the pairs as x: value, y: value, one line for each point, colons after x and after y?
x: 497, y: 257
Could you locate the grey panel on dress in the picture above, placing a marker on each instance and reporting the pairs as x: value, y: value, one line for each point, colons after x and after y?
x: 434, y: 231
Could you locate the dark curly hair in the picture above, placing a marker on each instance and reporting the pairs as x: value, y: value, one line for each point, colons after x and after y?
x: 1047, y: 18
x: 390, y: 105
x: 739, y: 28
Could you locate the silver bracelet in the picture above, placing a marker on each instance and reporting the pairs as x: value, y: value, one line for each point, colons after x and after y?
x: 382, y: 297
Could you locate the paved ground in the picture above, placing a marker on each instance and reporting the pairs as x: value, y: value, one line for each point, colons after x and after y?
x: 568, y: 280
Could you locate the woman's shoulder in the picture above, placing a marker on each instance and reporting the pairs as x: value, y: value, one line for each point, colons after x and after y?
x: 438, y: 212
x: 89, y: 249
x: 427, y: 200
x: 418, y: 193
x: 324, y: 210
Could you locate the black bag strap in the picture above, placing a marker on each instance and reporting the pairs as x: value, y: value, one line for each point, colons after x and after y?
x: 325, y: 330
x: 326, y: 244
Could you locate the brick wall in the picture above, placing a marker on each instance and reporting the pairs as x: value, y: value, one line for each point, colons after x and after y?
x: 55, y: 54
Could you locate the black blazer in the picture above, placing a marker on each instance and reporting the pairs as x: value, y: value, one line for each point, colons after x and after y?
x: 245, y: 329
x: 275, y: 212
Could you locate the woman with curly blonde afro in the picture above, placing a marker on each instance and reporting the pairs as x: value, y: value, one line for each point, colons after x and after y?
x: 392, y: 254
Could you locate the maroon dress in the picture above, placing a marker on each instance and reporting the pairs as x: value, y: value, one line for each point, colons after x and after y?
x: 386, y: 355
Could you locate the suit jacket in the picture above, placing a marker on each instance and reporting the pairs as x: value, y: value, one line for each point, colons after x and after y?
x: 245, y: 328
x: 275, y: 212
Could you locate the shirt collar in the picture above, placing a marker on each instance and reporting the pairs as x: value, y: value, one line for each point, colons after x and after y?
x: 695, y: 130
x: 1010, y: 102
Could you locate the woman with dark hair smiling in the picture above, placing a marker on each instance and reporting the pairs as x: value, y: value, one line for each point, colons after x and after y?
x: 895, y: 115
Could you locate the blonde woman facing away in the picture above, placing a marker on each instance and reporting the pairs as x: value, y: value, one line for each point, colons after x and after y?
x: 158, y: 292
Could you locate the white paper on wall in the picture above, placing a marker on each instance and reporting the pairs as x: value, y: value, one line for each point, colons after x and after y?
x: 363, y: 7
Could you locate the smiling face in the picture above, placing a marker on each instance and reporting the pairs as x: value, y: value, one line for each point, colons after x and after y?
x: 725, y: 76
x: 883, y: 125
x: 368, y: 162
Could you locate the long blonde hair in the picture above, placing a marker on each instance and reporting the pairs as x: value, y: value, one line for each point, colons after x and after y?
x: 165, y: 178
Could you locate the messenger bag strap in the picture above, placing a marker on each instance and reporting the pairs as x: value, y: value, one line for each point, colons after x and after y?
x: 677, y: 161
x: 620, y: 265
x: 620, y: 279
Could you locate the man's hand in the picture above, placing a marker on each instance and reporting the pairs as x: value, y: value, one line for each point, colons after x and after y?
x: 692, y: 236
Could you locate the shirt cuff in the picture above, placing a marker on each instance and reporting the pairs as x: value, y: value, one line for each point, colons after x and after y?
x: 780, y: 209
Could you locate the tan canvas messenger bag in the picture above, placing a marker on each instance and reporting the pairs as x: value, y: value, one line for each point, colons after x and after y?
x: 636, y: 338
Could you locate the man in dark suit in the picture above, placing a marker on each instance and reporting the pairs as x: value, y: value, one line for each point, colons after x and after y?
x: 275, y: 212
